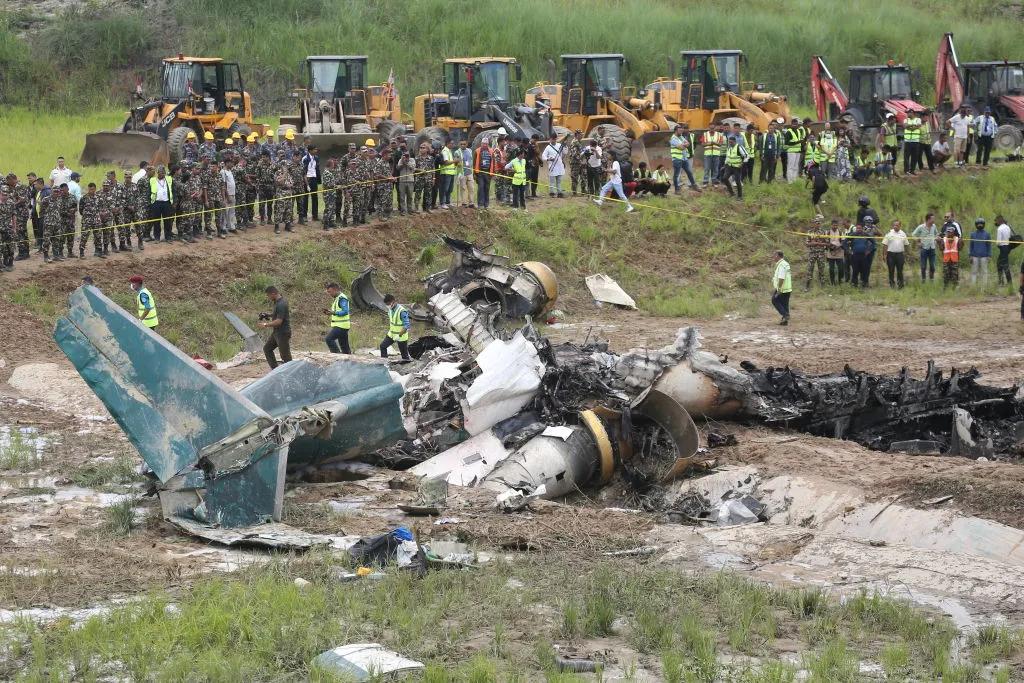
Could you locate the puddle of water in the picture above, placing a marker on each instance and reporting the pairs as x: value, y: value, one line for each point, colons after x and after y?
x: 27, y: 482
x: 21, y: 448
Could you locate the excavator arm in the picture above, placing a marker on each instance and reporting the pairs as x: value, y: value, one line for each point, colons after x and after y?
x: 947, y: 73
x: 628, y: 121
x: 825, y: 89
x: 749, y: 111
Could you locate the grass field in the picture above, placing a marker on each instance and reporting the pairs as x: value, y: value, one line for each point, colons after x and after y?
x: 70, y: 59
x: 259, y: 625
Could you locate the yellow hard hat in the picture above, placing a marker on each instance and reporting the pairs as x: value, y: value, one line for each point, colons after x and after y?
x: 269, y: 133
x: 207, y: 135
x: 370, y: 143
x: 191, y: 136
x: 229, y: 141
x: 251, y: 138
x: 236, y: 135
x: 290, y: 135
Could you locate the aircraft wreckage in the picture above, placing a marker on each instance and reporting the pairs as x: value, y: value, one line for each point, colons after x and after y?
x: 518, y: 415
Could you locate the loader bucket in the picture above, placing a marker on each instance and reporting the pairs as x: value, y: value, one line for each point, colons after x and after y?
x: 124, y: 149
x: 336, y: 144
x: 652, y: 147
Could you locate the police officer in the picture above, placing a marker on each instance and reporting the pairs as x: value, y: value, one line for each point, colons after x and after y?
x: 341, y: 321
x: 145, y: 302
x: 398, y: 329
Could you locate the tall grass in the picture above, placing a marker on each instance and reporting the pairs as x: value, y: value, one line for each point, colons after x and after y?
x: 413, y: 38
x: 270, y: 37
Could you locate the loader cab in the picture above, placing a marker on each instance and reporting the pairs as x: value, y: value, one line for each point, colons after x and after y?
x: 989, y: 80
x: 342, y: 78
x: 210, y: 85
x: 589, y: 80
x: 708, y: 74
x: 871, y: 86
x: 472, y: 83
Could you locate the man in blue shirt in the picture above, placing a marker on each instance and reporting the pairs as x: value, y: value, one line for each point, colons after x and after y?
x: 980, y: 251
x: 861, y: 248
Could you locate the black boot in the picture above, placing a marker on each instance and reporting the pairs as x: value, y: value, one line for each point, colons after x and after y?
x: 277, y: 229
x: 287, y: 227
x: 141, y: 245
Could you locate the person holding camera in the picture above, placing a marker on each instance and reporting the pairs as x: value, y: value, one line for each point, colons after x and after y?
x: 281, y: 329
x: 405, y: 171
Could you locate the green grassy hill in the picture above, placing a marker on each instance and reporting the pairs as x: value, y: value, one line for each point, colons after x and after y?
x: 88, y: 57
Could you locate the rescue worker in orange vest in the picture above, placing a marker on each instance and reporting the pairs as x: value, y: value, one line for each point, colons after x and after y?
x: 950, y: 258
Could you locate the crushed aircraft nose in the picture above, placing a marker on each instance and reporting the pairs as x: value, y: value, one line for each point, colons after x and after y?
x: 221, y: 454
x: 479, y: 278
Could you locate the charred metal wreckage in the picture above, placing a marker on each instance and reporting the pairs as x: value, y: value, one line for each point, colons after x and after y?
x: 514, y: 414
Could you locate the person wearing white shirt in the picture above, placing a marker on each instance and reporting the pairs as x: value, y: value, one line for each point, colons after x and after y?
x: 961, y: 125
x: 940, y: 150
x: 229, y: 193
x: 894, y: 246
x: 141, y: 173
x: 554, y: 157
x: 61, y: 174
x: 614, y: 183
x: 1003, y: 236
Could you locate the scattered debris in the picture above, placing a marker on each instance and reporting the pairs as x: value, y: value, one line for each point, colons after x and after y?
x: 643, y: 550
x: 574, y: 665
x: 365, y: 661
x: 607, y: 290
x: 250, y: 340
x: 937, y: 501
x: 480, y: 278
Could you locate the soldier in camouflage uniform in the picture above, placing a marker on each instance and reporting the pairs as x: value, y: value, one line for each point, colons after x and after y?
x: 68, y: 212
x: 298, y: 184
x: 242, y: 206
x: 577, y: 169
x: 190, y: 223
x: 190, y: 151
x: 143, y: 229
x: 8, y: 228
x: 383, y: 188
x: 108, y: 216
x: 817, y: 246
x: 329, y: 183
x: 283, y: 202
x: 92, y: 223
x: 264, y: 176
x: 209, y: 178
x: 126, y: 203
x: 21, y: 195
x: 51, y: 207
x: 424, y: 182
x: 348, y: 178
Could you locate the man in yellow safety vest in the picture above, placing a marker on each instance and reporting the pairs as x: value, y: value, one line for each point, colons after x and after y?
x: 145, y: 303
x: 341, y: 321
x: 398, y: 322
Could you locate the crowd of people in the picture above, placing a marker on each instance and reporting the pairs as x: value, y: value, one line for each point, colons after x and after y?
x: 846, y: 249
x: 217, y: 190
x: 731, y: 152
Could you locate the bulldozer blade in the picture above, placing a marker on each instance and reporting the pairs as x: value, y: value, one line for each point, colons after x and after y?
x: 336, y: 144
x: 652, y: 148
x: 124, y: 149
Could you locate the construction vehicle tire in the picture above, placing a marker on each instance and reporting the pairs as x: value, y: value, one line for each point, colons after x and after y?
x: 284, y: 128
x: 389, y: 130
x: 1008, y: 137
x: 490, y: 133
x: 176, y: 143
x: 616, y: 140
x: 361, y: 129
x: 434, y: 135
x: 561, y: 131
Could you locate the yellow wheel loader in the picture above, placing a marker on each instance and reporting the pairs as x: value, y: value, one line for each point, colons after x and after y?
x: 198, y: 94
x: 337, y: 108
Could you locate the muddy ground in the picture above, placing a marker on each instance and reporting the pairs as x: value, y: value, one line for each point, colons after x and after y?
x: 59, y: 552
